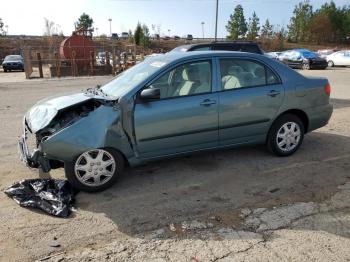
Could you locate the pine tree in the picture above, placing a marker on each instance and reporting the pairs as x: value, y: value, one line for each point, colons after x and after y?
x: 237, y: 25
x: 253, y: 27
x: 298, y: 27
x: 267, y: 30
x: 138, y: 34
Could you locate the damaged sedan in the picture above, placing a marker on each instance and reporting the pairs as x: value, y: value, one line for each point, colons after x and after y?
x: 171, y: 105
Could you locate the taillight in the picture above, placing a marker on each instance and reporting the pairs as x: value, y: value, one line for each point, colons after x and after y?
x: 327, y: 89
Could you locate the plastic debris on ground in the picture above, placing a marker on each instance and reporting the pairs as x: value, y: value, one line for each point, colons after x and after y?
x: 55, y: 197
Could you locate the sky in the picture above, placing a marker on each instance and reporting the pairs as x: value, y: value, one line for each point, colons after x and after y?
x: 181, y: 17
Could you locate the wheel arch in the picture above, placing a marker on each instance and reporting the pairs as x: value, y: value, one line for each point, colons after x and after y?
x: 299, y: 113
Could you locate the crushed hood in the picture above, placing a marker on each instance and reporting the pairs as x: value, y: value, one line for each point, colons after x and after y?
x: 42, y: 113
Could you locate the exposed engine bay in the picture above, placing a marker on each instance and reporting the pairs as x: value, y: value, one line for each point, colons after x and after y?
x: 66, y: 117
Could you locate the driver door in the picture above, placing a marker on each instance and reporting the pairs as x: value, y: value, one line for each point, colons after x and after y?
x: 185, y: 118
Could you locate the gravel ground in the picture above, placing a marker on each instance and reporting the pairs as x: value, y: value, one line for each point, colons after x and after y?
x: 231, y: 205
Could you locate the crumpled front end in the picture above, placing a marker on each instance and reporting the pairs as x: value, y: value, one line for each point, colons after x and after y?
x: 46, y: 119
x: 35, y: 159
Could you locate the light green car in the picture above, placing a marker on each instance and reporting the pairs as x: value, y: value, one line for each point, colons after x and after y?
x: 171, y: 105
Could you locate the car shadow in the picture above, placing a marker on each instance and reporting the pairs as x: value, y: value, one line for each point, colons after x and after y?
x: 339, y: 103
x: 220, y: 183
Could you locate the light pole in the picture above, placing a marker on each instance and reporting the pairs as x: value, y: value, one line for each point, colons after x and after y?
x: 216, y: 19
x: 169, y: 32
x: 203, y: 29
x: 96, y: 31
x: 110, y: 26
x: 7, y: 29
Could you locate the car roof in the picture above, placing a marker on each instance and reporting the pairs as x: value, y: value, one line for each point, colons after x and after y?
x: 172, y: 56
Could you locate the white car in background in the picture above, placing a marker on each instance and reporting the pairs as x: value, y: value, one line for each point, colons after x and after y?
x: 340, y: 58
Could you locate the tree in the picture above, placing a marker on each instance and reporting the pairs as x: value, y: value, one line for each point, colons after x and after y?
x: 267, y: 30
x: 320, y: 28
x: 299, y: 22
x: 145, y: 36
x: 138, y: 34
x: 49, y: 27
x: 253, y: 27
x: 1, y: 26
x: 237, y: 25
x: 339, y: 19
x: 278, y: 39
x: 141, y: 35
x: 85, y: 22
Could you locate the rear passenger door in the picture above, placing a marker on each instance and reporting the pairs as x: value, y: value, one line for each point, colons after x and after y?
x: 251, y: 94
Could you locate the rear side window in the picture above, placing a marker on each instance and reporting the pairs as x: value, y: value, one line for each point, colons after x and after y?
x: 201, y: 48
x: 241, y: 73
x: 251, y: 49
x: 228, y: 47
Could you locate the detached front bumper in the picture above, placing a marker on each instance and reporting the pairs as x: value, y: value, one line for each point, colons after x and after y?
x: 37, y: 158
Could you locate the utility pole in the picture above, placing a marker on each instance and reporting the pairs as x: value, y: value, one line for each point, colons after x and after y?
x: 110, y: 26
x: 202, y: 29
x: 216, y: 19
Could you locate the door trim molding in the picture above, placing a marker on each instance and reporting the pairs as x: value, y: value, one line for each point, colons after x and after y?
x: 265, y: 120
x: 179, y: 134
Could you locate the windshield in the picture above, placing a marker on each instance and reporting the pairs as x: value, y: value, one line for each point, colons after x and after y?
x: 13, y: 58
x: 308, y: 54
x: 132, y: 77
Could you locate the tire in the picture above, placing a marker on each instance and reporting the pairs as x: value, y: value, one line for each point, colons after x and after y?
x: 330, y: 63
x: 92, y: 173
x: 5, y: 70
x: 306, y: 66
x: 276, y: 135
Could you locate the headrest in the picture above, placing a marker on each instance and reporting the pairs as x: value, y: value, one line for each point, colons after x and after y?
x: 234, y: 70
x: 190, y: 74
x: 259, y: 72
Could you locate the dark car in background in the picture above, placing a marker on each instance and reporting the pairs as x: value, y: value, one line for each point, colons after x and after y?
x: 242, y: 46
x: 303, y: 59
x: 13, y: 62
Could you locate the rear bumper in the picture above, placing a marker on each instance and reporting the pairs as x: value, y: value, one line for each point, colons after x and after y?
x: 319, y: 116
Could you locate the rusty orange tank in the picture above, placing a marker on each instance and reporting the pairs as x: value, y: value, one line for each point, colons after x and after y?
x: 81, y: 45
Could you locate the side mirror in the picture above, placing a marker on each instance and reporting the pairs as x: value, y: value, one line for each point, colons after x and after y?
x: 150, y: 93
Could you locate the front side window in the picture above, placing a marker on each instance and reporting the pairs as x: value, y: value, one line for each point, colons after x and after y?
x: 240, y: 73
x: 185, y: 80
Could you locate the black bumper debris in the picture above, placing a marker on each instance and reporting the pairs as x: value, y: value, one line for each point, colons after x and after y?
x: 55, y: 197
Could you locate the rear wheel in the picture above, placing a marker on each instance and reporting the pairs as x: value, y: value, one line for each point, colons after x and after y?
x: 95, y: 170
x: 286, y: 135
x: 5, y: 70
x: 330, y: 63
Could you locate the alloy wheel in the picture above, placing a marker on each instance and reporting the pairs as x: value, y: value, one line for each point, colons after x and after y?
x: 288, y: 136
x: 95, y: 167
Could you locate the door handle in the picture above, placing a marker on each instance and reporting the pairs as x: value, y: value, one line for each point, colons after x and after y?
x: 207, y: 102
x: 273, y: 93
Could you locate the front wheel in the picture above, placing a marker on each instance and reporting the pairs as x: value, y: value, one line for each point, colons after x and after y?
x: 286, y: 135
x: 95, y: 170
